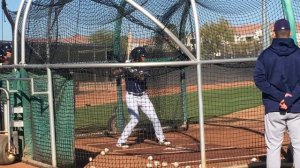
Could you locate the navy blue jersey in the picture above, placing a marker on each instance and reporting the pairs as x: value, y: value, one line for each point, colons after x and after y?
x: 135, y: 79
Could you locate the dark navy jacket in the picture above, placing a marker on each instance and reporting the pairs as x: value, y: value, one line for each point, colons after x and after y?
x: 277, y: 72
x: 135, y: 84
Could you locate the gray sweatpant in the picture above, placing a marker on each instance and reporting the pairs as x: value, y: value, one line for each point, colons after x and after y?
x: 276, y: 123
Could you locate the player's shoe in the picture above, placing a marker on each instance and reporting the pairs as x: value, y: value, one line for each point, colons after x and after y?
x: 122, y: 145
x: 164, y: 142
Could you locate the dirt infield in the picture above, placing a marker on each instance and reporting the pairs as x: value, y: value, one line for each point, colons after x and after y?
x: 230, y: 139
x: 18, y: 165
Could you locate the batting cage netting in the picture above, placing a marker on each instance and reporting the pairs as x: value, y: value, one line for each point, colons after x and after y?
x: 87, y: 42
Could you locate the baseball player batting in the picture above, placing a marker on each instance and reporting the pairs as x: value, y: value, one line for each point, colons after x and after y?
x: 136, y: 96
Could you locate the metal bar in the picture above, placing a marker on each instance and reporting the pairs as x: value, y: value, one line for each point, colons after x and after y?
x: 183, y: 96
x: 164, y: 28
x: 120, y: 118
x: 199, y: 82
x: 114, y: 65
x: 265, y: 25
x: 228, y: 60
x: 16, y: 34
x: 23, y: 31
x: 51, y: 118
x: 101, y: 65
x: 23, y: 79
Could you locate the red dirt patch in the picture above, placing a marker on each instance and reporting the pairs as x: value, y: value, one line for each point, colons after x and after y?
x: 230, y: 138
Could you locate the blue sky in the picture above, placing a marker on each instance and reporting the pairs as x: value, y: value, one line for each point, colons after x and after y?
x: 5, y: 33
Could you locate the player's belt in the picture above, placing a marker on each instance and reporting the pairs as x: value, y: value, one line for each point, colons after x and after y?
x: 136, y: 94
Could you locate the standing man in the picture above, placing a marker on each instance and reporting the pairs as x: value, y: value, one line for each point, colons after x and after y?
x: 277, y: 75
x: 136, y: 96
x: 5, y: 53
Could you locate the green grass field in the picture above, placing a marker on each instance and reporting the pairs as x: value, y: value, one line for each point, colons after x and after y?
x: 225, y: 101
x: 216, y: 103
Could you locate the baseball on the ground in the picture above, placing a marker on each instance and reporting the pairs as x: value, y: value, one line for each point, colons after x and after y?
x: 253, y: 160
x: 156, y: 163
x: 149, y: 165
x: 106, y: 150
x: 102, y: 153
x: 150, y: 158
x: 90, y: 159
x: 175, y: 164
x: 164, y: 164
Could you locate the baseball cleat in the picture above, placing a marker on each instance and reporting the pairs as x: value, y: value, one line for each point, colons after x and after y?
x: 122, y: 145
x: 164, y: 142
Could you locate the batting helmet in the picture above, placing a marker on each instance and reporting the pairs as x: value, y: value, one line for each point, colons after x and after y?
x: 6, y: 48
x: 137, y: 52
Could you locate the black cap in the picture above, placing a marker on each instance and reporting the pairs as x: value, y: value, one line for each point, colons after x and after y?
x: 282, y: 24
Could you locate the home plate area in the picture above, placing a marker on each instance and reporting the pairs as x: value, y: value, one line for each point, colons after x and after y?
x: 184, y: 150
x: 146, y: 152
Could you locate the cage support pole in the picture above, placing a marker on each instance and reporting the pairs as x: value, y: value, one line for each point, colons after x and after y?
x: 199, y: 82
x: 49, y: 32
x: 28, y: 5
x: 182, y: 70
x: 51, y: 118
x: 184, y: 104
x: 120, y: 119
x: 265, y: 25
x: 16, y: 32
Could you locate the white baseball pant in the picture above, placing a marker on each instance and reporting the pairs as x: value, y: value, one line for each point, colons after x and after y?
x: 133, y: 102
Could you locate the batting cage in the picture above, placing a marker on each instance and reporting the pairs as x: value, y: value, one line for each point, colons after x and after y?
x: 147, y: 83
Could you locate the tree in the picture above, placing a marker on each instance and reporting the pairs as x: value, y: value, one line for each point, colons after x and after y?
x: 247, y: 49
x: 214, y: 37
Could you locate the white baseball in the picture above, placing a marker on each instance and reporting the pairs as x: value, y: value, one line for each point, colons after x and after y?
x: 164, y: 164
x: 149, y: 165
x: 106, y: 150
x: 253, y: 159
x: 102, y: 153
x: 175, y: 164
x: 150, y: 158
x: 90, y: 159
x: 156, y: 163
